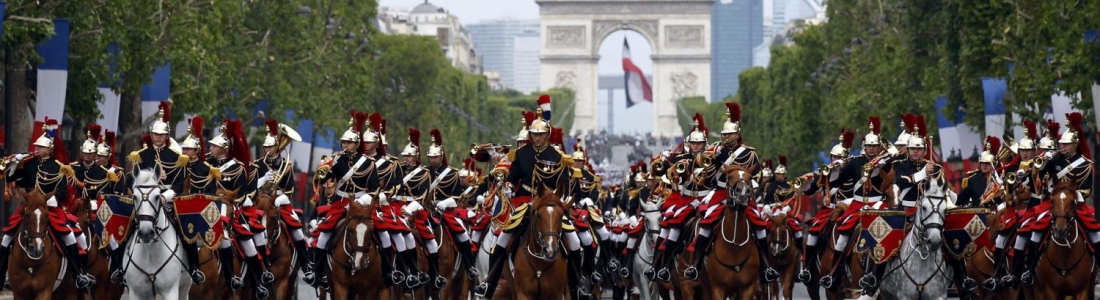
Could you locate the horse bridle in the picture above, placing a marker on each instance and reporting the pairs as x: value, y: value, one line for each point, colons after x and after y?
x: 44, y: 235
x: 350, y: 248
x: 740, y: 199
x: 144, y: 199
x: 1066, y: 213
x: 539, y: 235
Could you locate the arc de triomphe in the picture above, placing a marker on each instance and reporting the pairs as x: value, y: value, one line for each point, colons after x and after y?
x: 677, y: 31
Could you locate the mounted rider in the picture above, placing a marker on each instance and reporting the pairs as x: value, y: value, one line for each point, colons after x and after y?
x: 91, y: 177
x: 275, y: 174
x: 585, y: 191
x: 355, y: 179
x: 230, y: 157
x: 395, y: 230
x: 777, y: 194
x: 534, y: 160
x: 43, y: 172
x: 445, y: 186
x: 838, y: 182
x: 1021, y: 219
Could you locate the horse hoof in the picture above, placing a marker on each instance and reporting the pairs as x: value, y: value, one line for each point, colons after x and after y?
x: 691, y: 273
x: 649, y: 273
x: 826, y: 282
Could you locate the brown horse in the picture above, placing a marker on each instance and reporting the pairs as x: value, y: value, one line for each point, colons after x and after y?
x: 733, y: 263
x: 540, y: 267
x: 36, y: 267
x: 450, y: 266
x: 210, y: 265
x: 847, y: 273
x: 98, y: 260
x: 981, y: 264
x: 784, y: 256
x: 356, y: 263
x: 281, y: 253
x: 1065, y: 268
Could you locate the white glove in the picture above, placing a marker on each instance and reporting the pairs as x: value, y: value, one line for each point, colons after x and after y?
x: 168, y: 195
x: 481, y: 199
x: 21, y: 156
x: 586, y: 202
x: 445, y: 204
x: 633, y: 221
x: 383, y: 199
x: 265, y: 179
x: 282, y: 200
x: 365, y: 199
x: 412, y: 208
x: 52, y: 202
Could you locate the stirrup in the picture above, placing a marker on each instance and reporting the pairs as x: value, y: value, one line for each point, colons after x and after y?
x: 596, y: 277
x: 804, y: 276
x: 770, y: 275
x: 262, y: 292
x: 266, y: 277
x: 691, y: 273
x: 826, y: 281
x: 481, y: 289
x: 868, y: 281
x: 990, y: 284
x: 969, y: 284
x: 83, y: 281
x: 1027, y: 278
x: 236, y: 283
x: 664, y: 275
x: 583, y: 295
x: 474, y: 273
x: 197, y: 277
x: 624, y: 272
x: 118, y: 278
x: 397, y: 276
x: 412, y: 282
x: 308, y: 276
x: 650, y: 273
x: 440, y: 282
x: 613, y: 264
x: 1009, y: 281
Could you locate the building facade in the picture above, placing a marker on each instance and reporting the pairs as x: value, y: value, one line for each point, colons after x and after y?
x: 737, y: 27
x: 495, y: 40
x: 428, y: 20
x: 525, y: 62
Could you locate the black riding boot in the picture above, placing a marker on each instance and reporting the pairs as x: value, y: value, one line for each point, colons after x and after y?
x: 262, y: 250
x: 4, y: 253
x: 1028, y: 277
x: 256, y: 272
x: 628, y: 264
x: 577, y: 286
x: 414, y: 277
x: 959, y: 266
x: 390, y: 276
x: 669, y: 261
x: 701, y: 243
x: 809, y: 265
x: 1000, y: 267
x: 1019, y: 261
x: 225, y: 257
x: 486, y: 288
x: 589, y: 266
x: 197, y: 277
x: 433, y: 271
x: 869, y: 282
x: 115, y: 267
x: 467, y: 254
x: 658, y: 260
x: 80, y: 262
x: 606, y: 258
x: 767, y: 273
x: 300, y: 250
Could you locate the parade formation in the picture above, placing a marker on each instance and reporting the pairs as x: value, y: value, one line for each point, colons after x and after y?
x: 706, y: 219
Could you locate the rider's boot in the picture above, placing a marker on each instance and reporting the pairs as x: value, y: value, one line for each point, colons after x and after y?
x: 669, y: 261
x: 433, y: 271
x: 197, y: 277
x: 256, y: 267
x: 589, y: 267
x: 767, y: 273
x: 870, y: 281
x: 467, y: 253
x: 300, y: 250
x: 80, y: 262
x: 990, y: 284
x: 320, y: 268
x: 959, y: 266
x: 658, y: 259
x: 225, y: 259
x: 809, y: 265
x: 1019, y: 261
x: 4, y: 253
x: 1028, y: 277
x: 486, y: 288
x: 390, y: 275
x: 115, y: 267
x: 577, y: 287
x: 606, y: 258
x: 826, y: 280
x: 413, y: 279
x: 628, y: 263
x: 263, y: 254
x: 697, y: 254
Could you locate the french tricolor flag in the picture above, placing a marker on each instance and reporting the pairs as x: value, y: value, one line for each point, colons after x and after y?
x: 111, y: 99
x: 53, y: 74
x: 637, y: 88
x: 324, y: 144
x: 156, y: 91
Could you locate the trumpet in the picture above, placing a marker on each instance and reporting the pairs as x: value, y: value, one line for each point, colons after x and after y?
x: 826, y: 169
x: 681, y: 166
x: 658, y: 166
x: 499, y: 174
x: 704, y: 160
x: 1011, y: 178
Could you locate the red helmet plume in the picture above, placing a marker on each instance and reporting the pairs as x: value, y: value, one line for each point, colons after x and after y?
x: 734, y: 111
x: 1053, y: 129
x: 109, y: 139
x: 167, y: 108
x: 993, y: 145
x: 876, y: 125
x: 375, y: 121
x: 783, y: 160
x: 272, y: 127
x: 196, y: 130
x: 847, y: 138
x: 1032, y: 132
x: 94, y: 132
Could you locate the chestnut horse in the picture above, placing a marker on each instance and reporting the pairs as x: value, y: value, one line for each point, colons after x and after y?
x: 846, y: 276
x: 981, y: 265
x: 733, y: 263
x: 540, y: 267
x: 281, y: 253
x: 37, y: 268
x: 450, y: 266
x: 98, y: 260
x: 784, y: 256
x: 355, y: 262
x: 1065, y: 268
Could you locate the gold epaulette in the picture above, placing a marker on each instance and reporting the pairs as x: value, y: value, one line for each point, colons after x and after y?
x: 511, y: 155
x: 66, y: 170
x: 182, y: 161
x: 112, y: 176
x: 971, y: 172
x: 597, y: 179
x: 577, y: 173
x: 966, y: 181
x: 134, y: 157
x: 566, y: 159
x: 215, y: 173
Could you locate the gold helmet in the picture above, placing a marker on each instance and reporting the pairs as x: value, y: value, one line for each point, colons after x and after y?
x: 160, y: 125
x: 1073, y: 129
x: 992, y: 146
x: 106, y: 145
x: 733, y: 113
x: 542, y: 122
x: 222, y: 139
x: 279, y: 135
x: 641, y: 172
x: 782, y: 167
x: 374, y: 129
x: 766, y: 171
x: 1047, y: 142
x: 413, y: 148
x: 698, y: 132
x: 436, y: 148
x: 49, y: 133
x: 579, y: 153
x: 194, y: 132
x: 844, y: 144
x: 355, y: 126
x: 528, y: 118
x: 872, y: 138
x: 916, y: 139
x: 1030, y: 134
x: 89, y: 145
x: 905, y: 128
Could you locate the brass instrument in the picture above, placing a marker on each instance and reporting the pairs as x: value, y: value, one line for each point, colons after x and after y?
x: 658, y: 166
x: 1011, y: 178
x: 499, y: 174
x: 704, y: 160
x: 681, y: 166
x: 270, y: 186
x: 827, y: 169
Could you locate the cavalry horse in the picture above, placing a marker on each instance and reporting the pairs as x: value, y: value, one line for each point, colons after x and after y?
x: 651, y: 213
x: 733, y: 263
x: 919, y: 271
x: 154, y: 263
x: 38, y: 268
x: 355, y: 261
x: 450, y: 266
x: 98, y: 259
x: 982, y: 265
x: 1066, y: 268
x: 784, y: 255
x: 540, y: 267
x: 211, y: 265
x: 281, y: 255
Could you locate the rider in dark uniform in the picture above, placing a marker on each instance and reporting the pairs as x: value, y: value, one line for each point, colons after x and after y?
x: 274, y: 174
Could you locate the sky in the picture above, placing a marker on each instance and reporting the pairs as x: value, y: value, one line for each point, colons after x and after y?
x: 637, y: 119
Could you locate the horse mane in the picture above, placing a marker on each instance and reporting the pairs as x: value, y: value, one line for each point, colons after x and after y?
x: 736, y: 167
x: 33, y: 200
x: 543, y: 197
x: 145, y: 177
x: 779, y: 220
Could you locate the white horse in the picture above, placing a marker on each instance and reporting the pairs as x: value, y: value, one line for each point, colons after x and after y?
x: 155, y: 263
x: 919, y: 271
x: 651, y: 211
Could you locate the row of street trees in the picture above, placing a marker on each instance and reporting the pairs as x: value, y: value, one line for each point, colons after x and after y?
x: 320, y: 58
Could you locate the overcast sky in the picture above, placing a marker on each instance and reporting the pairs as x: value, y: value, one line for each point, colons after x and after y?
x: 637, y: 119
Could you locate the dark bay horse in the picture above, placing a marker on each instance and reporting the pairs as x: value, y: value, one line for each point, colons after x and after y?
x: 355, y: 262
x: 733, y: 263
x: 784, y: 255
x: 281, y: 252
x: 540, y: 267
x: 98, y: 260
x: 1066, y: 268
x: 37, y: 268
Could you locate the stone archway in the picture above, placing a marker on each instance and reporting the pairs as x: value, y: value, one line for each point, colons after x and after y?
x: 677, y: 31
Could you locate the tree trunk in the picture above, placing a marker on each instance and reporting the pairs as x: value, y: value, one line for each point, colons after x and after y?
x: 22, y: 120
x: 129, y: 120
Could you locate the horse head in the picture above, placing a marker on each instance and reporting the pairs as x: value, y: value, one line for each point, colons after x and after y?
x: 147, y: 194
x: 739, y: 180
x: 34, y: 231
x: 932, y: 209
x: 360, y: 237
x: 1063, y: 203
x: 779, y: 235
x: 547, y: 210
